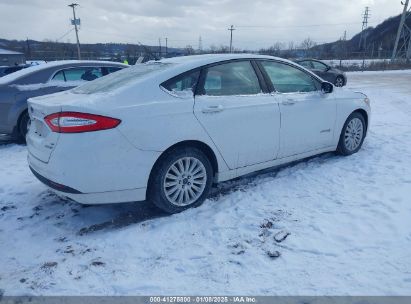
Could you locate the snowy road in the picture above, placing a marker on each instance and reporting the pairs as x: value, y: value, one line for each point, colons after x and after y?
x: 346, y: 223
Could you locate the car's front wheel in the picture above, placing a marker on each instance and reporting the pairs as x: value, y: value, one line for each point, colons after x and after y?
x: 352, y: 135
x: 182, y: 179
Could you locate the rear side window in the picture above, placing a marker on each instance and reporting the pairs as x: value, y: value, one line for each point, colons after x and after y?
x: 287, y: 79
x: 234, y: 78
x: 78, y: 74
x: 59, y: 76
x: 121, y: 78
x: 182, y: 83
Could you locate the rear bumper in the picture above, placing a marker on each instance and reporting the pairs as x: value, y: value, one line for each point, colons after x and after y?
x: 110, y: 197
x: 107, y: 197
x: 54, y: 185
x: 95, y: 168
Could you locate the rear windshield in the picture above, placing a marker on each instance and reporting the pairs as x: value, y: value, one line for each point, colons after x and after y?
x: 121, y: 78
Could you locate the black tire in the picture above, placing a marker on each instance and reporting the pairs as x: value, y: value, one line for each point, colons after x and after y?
x: 22, y: 127
x: 339, y: 81
x: 342, y: 148
x: 156, y: 193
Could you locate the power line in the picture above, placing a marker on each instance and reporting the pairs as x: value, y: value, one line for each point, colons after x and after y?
x: 65, y: 34
x: 297, y: 26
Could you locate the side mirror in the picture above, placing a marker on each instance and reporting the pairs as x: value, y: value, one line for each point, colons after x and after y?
x: 327, y: 68
x: 327, y: 87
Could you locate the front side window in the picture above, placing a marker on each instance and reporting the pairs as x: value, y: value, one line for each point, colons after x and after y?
x: 319, y: 66
x: 287, y: 79
x: 86, y: 74
x: 234, y: 78
x: 182, y: 84
x: 306, y: 64
x: 113, y: 69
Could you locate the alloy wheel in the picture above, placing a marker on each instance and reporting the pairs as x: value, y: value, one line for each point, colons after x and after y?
x: 185, y: 181
x: 339, y: 82
x: 353, y: 134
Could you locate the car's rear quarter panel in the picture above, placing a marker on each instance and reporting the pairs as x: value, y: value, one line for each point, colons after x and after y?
x: 154, y: 120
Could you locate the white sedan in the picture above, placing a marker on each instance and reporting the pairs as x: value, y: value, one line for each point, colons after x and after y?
x: 166, y: 131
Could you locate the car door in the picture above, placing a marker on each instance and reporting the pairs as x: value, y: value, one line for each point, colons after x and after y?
x: 241, y: 120
x: 307, y: 114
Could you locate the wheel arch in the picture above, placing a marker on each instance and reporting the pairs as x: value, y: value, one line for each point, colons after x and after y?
x: 364, y: 114
x: 360, y: 111
x: 206, y: 149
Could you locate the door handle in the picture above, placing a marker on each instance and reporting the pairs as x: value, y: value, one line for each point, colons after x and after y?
x: 213, y: 109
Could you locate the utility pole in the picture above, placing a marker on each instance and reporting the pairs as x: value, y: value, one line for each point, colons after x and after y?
x: 166, y: 46
x: 343, y: 42
x: 366, y: 15
x: 404, y: 30
x: 28, y: 48
x: 200, y: 45
x: 76, y: 22
x: 231, y: 29
x: 159, y: 48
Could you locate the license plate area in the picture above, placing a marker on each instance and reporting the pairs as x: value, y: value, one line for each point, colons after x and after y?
x: 39, y: 128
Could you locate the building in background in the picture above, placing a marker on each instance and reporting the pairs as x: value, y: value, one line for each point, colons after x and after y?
x: 11, y: 58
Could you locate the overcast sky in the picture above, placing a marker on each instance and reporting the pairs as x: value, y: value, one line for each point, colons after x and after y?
x: 258, y: 23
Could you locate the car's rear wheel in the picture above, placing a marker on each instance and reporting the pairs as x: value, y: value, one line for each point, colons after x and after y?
x: 339, y: 81
x: 23, y: 125
x: 182, y: 179
x: 352, y: 135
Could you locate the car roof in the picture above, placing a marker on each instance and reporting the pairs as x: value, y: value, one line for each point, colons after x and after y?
x: 194, y: 61
x: 59, y: 63
x: 185, y: 63
x: 309, y: 59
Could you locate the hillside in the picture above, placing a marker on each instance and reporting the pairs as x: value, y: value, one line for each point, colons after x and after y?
x: 50, y: 50
x: 379, y: 42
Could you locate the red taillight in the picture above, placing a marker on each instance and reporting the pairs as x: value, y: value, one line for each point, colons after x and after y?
x: 75, y: 122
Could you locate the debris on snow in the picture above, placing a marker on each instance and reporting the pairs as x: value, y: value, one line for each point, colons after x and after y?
x: 281, y: 236
x: 274, y: 254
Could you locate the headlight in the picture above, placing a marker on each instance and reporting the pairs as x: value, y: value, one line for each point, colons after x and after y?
x: 367, y: 101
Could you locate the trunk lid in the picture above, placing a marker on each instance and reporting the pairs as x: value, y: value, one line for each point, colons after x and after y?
x: 41, y: 141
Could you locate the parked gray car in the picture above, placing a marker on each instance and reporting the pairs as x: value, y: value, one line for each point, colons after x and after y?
x: 6, y: 70
x: 326, y: 72
x: 39, y: 80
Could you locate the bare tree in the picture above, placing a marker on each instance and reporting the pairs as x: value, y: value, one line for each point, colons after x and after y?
x: 189, y: 50
x: 274, y: 50
x: 307, y: 45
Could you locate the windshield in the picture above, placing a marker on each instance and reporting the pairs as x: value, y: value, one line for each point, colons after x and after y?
x: 120, y: 79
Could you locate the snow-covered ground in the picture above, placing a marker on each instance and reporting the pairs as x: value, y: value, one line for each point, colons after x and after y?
x: 342, y: 225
